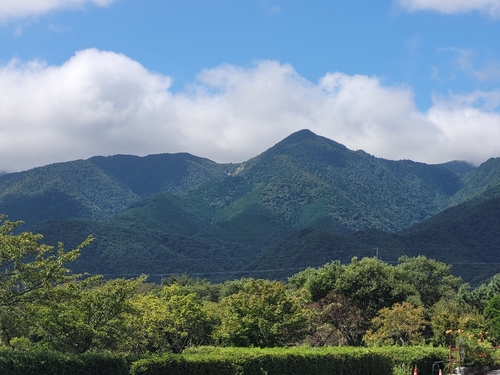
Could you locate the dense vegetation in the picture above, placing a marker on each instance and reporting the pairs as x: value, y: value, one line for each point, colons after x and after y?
x: 366, y: 303
x: 302, y: 203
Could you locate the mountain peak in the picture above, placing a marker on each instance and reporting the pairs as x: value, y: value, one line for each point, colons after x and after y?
x: 303, y: 136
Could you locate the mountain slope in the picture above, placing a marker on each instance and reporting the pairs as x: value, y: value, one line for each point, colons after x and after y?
x: 62, y: 191
x: 465, y: 236
x: 478, y: 180
x: 307, y: 180
x: 303, y: 202
x: 101, y: 187
x: 155, y: 174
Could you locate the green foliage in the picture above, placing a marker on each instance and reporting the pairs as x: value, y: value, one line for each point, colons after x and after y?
x: 154, y: 174
x: 277, y: 361
x: 472, y: 348
x: 429, y: 279
x: 370, y: 284
x: 86, y: 315
x: 264, y: 314
x: 202, y: 288
x: 445, y: 317
x: 217, y: 218
x: 401, y: 324
x: 170, y: 321
x: 405, y: 359
x: 52, y: 363
x: 14, y: 331
x: 230, y: 361
x: 480, y: 296
x: 28, y: 266
x: 318, y: 282
x: 492, y: 314
x: 76, y: 189
x: 348, y: 297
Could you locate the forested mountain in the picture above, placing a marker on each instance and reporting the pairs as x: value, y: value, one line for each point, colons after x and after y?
x: 101, y: 187
x: 303, y: 202
x: 464, y: 236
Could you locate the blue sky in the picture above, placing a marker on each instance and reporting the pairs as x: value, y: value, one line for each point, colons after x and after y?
x: 400, y: 79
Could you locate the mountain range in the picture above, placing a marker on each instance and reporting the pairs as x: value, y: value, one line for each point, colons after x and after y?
x: 303, y: 202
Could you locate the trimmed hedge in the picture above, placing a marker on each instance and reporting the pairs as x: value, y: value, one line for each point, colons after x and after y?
x: 278, y: 361
x: 421, y: 357
x: 51, y: 363
x: 230, y: 361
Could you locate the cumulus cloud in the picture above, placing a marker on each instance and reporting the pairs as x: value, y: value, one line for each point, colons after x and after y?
x: 490, y: 7
x: 471, y: 124
x: 104, y: 103
x: 12, y: 9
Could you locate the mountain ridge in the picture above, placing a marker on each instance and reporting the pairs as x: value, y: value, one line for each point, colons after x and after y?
x: 176, y: 213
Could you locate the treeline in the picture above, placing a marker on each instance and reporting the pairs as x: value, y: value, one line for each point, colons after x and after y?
x: 364, y: 303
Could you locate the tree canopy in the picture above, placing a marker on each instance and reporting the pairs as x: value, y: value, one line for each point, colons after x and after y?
x: 26, y: 265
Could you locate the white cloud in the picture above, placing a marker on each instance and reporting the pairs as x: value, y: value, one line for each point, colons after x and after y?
x: 471, y: 124
x: 490, y: 7
x: 11, y: 9
x: 103, y: 103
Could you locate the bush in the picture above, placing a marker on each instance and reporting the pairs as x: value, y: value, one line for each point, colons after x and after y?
x: 52, y: 363
x: 277, y: 361
x: 406, y: 358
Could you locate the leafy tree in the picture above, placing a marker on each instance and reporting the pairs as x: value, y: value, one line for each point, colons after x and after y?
x: 480, y: 296
x: 445, y: 317
x: 492, y: 314
x: 338, y: 313
x: 318, y: 282
x: 13, y: 325
x: 264, y: 314
x: 429, y: 279
x: 83, y: 315
x: 401, y: 324
x: 449, y: 319
x: 169, y: 321
x: 233, y: 286
x: 371, y: 285
x: 348, y: 297
x: 27, y: 265
x: 202, y: 288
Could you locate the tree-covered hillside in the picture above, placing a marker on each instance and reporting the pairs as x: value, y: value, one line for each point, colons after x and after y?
x: 303, y: 202
x: 100, y: 188
x: 464, y: 236
x: 307, y: 180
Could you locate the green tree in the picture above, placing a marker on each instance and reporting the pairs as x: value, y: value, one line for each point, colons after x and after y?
x: 204, y: 289
x: 264, y: 314
x: 492, y: 314
x: 27, y: 265
x: 337, y: 314
x: 480, y: 296
x: 450, y: 319
x: 445, y: 318
x: 168, y: 321
x: 371, y: 285
x: 318, y: 282
x: 13, y: 324
x: 355, y: 294
x: 84, y: 315
x: 429, y: 280
x: 401, y: 324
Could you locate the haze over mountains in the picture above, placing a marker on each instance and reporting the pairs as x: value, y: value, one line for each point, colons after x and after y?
x: 305, y: 201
